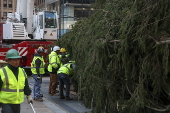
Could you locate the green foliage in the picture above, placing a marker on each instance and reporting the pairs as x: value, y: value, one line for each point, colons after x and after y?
x: 120, y: 66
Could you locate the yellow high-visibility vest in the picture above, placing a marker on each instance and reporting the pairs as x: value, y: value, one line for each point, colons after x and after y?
x: 33, y: 65
x: 12, y: 91
x: 54, y: 61
x: 66, y: 69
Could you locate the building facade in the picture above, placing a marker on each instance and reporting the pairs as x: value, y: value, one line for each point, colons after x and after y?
x: 40, y: 5
x: 6, y: 6
x: 69, y: 11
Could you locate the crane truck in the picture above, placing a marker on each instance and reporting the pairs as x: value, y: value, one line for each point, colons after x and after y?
x: 26, y: 30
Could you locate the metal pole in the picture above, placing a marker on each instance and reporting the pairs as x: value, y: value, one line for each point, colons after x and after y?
x: 82, y: 9
x: 59, y: 31
x: 32, y: 107
x: 63, y: 16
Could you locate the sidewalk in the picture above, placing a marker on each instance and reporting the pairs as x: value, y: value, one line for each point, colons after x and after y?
x: 52, y: 104
x: 60, y: 105
x: 41, y: 107
x: 46, y: 106
x: 38, y: 106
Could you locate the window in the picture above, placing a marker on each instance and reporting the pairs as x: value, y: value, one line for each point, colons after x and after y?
x: 38, y: 2
x: 5, y: 3
x: 5, y: 15
x: 50, y: 20
x: 54, y: 6
x: 10, y: 4
x: 41, y: 21
x: 80, y: 12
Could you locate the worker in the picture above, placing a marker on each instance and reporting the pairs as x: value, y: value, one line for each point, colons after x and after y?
x: 54, y: 65
x: 37, y: 69
x: 63, y: 51
x: 13, y: 84
x: 63, y: 56
x: 64, y: 73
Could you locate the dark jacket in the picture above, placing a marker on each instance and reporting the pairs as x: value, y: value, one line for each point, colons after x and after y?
x: 37, y: 62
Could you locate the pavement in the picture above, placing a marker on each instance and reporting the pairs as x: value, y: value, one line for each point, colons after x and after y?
x: 41, y: 107
x: 53, y: 104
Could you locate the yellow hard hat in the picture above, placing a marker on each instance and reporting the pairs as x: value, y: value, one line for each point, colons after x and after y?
x: 62, y: 50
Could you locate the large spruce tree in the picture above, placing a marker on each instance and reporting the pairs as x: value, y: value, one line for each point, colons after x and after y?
x: 122, y: 55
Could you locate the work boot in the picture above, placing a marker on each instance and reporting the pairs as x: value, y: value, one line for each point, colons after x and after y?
x: 68, y: 98
x: 41, y: 95
x: 54, y: 94
x: 56, y: 91
x: 62, y: 97
x: 39, y: 99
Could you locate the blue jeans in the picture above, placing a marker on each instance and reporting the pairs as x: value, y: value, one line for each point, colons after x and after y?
x: 37, y: 86
x: 64, y: 79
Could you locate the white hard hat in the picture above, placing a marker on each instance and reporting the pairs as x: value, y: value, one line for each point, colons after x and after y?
x: 56, y: 48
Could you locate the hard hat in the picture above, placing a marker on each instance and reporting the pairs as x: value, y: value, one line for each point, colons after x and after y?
x: 56, y: 48
x: 40, y: 50
x: 12, y: 54
x: 62, y: 50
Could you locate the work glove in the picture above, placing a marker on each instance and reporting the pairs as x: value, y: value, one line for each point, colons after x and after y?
x: 67, y: 55
x: 29, y: 99
x: 39, y: 77
x: 54, y: 69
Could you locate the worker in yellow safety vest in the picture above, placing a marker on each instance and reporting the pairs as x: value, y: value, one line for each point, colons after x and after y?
x: 64, y: 73
x: 13, y: 84
x: 37, y: 69
x: 53, y: 66
x: 63, y: 56
x: 63, y: 51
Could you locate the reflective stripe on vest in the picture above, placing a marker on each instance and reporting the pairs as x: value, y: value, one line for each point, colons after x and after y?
x: 7, y: 83
x: 6, y: 78
x: 62, y: 70
x: 12, y: 90
x: 54, y: 62
x: 67, y: 67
